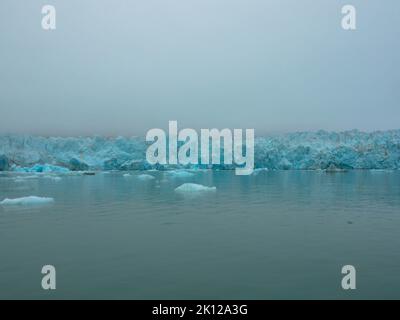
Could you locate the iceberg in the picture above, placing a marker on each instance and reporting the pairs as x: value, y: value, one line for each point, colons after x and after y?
x: 182, y: 174
x: 318, y: 150
x: 145, y: 177
x: 194, y: 187
x: 27, y: 177
x: 31, y: 200
x: 53, y: 178
x: 24, y: 178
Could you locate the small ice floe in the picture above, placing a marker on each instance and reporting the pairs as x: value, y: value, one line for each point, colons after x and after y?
x: 53, y: 178
x: 145, y: 177
x: 180, y: 174
x: 28, y: 177
x: 22, y: 179
x: 26, y: 201
x: 194, y: 187
x: 127, y: 175
x: 380, y: 170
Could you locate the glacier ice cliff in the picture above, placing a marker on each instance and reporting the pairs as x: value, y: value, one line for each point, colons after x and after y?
x: 294, y: 151
x: 322, y: 150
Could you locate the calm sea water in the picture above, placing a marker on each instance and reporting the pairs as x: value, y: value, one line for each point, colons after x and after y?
x: 274, y: 235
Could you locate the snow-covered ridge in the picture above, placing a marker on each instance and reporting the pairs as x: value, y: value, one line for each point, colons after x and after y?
x: 302, y: 150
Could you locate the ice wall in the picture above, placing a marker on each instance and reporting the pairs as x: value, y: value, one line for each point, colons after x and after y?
x: 302, y: 150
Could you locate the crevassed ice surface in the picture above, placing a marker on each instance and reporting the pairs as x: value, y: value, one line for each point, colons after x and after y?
x: 302, y: 150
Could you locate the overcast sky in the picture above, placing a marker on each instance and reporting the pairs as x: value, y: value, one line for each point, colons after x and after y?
x: 123, y: 67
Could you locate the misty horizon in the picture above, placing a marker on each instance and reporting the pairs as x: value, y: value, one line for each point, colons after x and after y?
x: 128, y: 67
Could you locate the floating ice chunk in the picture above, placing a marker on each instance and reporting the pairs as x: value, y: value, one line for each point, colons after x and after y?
x: 194, y: 187
x: 180, y: 174
x: 54, y: 178
x: 381, y: 170
x: 25, y: 201
x: 24, y: 178
x: 145, y: 177
x: 127, y: 175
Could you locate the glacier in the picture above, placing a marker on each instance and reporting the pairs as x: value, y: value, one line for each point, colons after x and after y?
x: 291, y: 151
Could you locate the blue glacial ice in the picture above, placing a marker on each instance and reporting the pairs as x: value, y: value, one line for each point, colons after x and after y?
x: 294, y: 151
x: 145, y: 177
x: 41, y: 168
x: 193, y: 187
x: 180, y: 174
x: 52, y: 178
